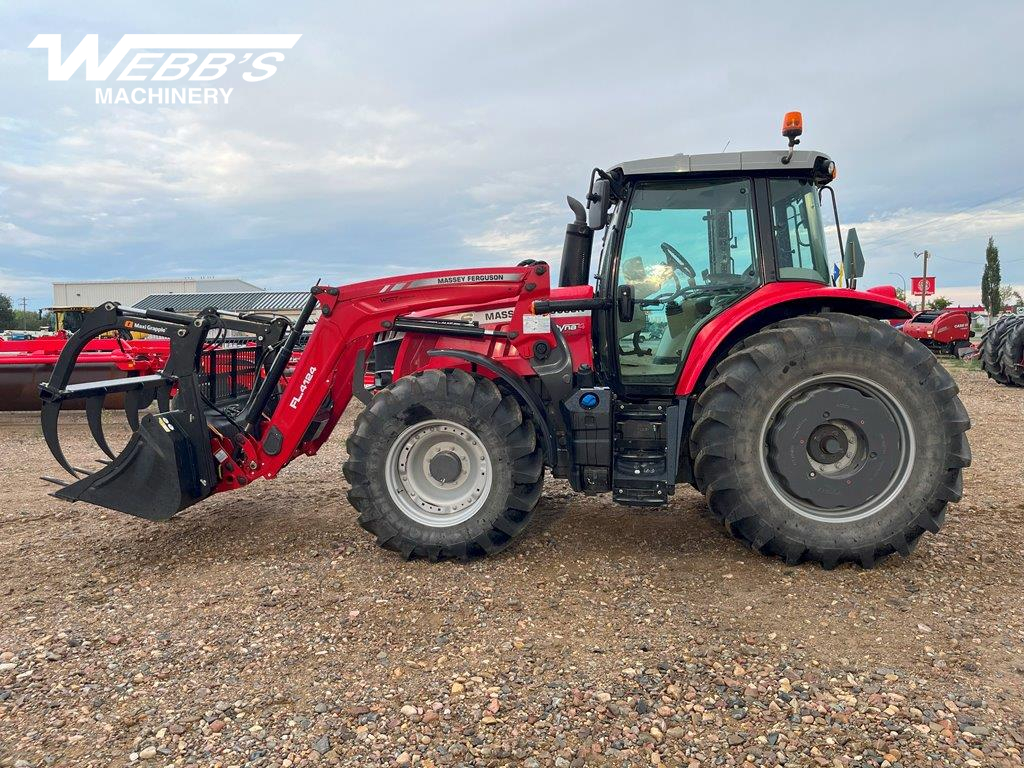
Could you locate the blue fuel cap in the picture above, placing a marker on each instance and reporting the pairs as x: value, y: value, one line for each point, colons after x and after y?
x: 588, y: 400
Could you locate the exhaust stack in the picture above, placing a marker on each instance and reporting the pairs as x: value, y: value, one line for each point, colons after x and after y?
x: 576, y: 250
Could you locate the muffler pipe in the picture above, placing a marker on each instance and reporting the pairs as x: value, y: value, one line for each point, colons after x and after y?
x: 576, y: 249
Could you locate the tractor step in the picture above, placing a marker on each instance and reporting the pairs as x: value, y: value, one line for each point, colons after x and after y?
x: 646, y: 452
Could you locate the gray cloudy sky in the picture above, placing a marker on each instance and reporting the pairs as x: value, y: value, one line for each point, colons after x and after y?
x: 417, y: 136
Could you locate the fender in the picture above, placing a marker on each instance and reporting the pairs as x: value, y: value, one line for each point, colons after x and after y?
x: 773, y: 302
x: 519, y: 386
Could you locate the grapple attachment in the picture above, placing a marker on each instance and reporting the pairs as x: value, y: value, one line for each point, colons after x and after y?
x: 167, y: 463
x: 161, y: 471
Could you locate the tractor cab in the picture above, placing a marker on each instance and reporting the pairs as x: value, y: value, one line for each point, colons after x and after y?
x: 686, y: 237
x: 690, y: 236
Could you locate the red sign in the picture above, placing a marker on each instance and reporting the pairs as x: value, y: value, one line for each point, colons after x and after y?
x: 915, y: 285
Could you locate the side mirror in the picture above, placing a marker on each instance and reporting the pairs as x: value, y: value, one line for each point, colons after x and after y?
x: 624, y: 303
x: 853, y: 258
x: 599, y: 200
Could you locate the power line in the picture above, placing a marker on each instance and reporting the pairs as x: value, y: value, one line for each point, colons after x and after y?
x: 957, y: 222
x: 910, y: 228
x: 976, y: 263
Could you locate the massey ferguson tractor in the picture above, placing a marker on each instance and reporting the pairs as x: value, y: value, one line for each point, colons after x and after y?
x: 709, y: 348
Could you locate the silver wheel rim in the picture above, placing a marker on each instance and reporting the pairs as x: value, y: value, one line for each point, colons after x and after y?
x: 899, y: 480
x: 425, y: 494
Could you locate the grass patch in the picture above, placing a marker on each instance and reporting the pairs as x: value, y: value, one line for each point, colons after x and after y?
x: 957, y: 364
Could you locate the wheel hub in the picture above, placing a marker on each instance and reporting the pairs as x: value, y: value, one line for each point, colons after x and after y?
x: 438, y: 473
x: 446, y: 467
x: 834, y: 449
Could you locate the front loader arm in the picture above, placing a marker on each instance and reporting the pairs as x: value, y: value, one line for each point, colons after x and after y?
x: 350, y: 317
x: 194, y: 445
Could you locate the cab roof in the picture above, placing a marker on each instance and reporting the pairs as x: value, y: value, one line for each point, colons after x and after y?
x: 764, y: 160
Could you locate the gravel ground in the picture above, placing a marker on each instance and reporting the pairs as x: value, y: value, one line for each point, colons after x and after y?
x: 265, y: 628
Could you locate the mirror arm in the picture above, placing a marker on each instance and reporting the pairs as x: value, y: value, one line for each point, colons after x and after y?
x: 835, y: 213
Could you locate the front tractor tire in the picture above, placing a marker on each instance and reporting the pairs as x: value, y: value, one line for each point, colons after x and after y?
x: 830, y: 438
x: 442, y: 465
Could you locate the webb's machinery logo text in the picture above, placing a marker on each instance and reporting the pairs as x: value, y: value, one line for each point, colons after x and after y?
x: 188, y: 59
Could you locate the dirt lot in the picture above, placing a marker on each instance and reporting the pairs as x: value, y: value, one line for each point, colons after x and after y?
x: 265, y: 628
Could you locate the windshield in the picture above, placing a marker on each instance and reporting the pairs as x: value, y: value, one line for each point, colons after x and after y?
x: 798, y: 231
x: 73, y: 320
x: 688, y: 250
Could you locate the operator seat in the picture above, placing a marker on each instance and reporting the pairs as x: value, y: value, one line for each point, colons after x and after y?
x: 681, y: 318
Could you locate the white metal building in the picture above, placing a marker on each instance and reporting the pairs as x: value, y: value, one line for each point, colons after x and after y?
x: 287, y: 303
x: 90, y: 293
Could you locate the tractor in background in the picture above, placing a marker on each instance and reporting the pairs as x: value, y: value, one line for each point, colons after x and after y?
x: 1002, y: 351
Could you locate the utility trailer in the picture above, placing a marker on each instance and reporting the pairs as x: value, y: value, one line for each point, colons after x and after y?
x: 710, y: 349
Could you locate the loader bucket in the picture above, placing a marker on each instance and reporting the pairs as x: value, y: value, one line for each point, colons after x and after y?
x: 159, y: 472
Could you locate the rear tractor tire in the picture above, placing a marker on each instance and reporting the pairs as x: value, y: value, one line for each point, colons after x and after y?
x: 443, y: 466
x: 830, y: 438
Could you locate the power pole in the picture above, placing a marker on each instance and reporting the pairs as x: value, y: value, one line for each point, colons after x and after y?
x: 924, y: 278
x: 24, y: 313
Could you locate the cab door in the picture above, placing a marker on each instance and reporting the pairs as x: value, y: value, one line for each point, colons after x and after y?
x: 687, y: 250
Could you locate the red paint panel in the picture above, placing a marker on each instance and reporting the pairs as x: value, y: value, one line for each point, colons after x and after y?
x: 773, y: 294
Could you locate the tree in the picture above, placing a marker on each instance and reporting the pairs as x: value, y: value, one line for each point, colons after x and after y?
x: 990, y: 279
x: 1010, y: 297
x: 29, y: 320
x: 6, y: 312
x: 901, y: 295
x: 939, y: 302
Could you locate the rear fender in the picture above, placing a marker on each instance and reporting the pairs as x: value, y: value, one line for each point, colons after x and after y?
x: 769, y: 304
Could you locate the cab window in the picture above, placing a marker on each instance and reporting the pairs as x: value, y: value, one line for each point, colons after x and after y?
x: 688, y: 250
x: 798, y: 231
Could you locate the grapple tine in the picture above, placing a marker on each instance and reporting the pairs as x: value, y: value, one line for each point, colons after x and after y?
x: 94, y: 415
x: 163, y: 399
x: 50, y: 414
x: 132, y: 406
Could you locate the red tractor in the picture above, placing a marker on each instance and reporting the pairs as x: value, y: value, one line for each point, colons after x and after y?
x: 941, y: 330
x: 710, y: 348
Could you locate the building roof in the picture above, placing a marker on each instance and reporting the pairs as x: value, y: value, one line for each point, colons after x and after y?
x: 261, y: 301
x: 157, y: 280
x: 722, y: 161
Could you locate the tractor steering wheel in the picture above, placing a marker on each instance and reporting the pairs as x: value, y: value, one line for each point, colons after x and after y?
x: 676, y: 260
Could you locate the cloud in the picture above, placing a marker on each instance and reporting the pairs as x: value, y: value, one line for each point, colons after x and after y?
x: 18, y: 283
x: 111, y: 179
x: 922, y: 226
x: 14, y: 236
x: 529, y: 232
